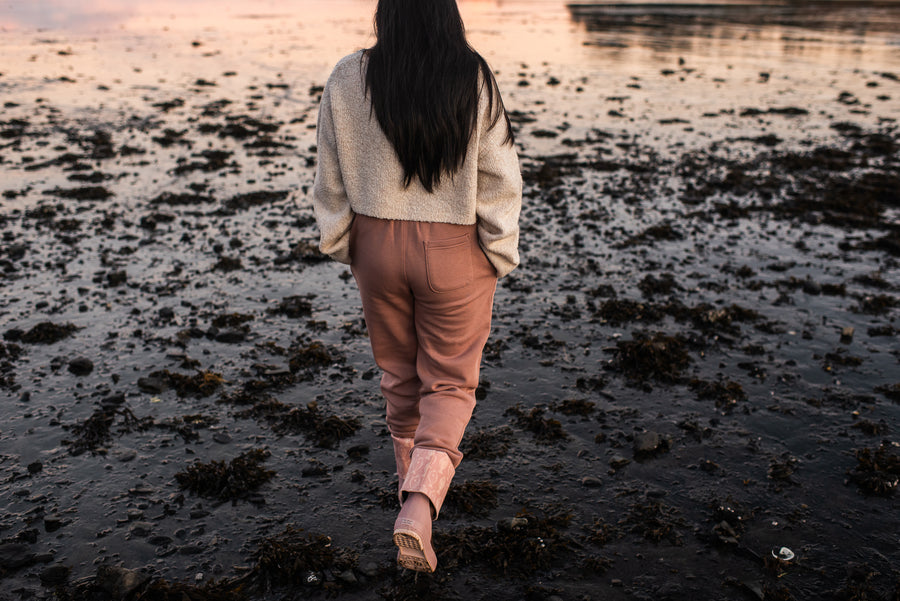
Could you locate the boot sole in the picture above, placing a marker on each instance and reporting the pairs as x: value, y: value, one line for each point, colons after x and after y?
x: 412, y: 554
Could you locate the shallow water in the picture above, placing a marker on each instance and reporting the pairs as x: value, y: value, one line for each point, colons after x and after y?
x: 697, y: 120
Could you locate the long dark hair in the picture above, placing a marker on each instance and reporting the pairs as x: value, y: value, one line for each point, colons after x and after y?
x: 423, y: 80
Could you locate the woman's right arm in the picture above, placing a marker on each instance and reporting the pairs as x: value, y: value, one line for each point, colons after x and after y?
x: 330, y: 202
x: 499, y: 196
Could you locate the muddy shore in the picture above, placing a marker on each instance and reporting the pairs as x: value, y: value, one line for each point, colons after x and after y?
x: 691, y: 390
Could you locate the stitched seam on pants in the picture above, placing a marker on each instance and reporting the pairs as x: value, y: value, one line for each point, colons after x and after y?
x: 404, y: 235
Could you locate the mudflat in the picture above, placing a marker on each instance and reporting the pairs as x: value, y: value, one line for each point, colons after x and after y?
x: 692, y: 386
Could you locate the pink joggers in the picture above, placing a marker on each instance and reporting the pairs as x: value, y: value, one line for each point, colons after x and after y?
x: 427, y: 293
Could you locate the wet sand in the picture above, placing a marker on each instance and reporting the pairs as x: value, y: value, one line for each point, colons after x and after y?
x: 695, y: 366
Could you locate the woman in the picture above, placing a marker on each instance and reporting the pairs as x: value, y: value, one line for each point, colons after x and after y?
x: 418, y: 188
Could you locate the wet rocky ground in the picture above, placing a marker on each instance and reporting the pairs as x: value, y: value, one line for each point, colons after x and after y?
x: 691, y: 389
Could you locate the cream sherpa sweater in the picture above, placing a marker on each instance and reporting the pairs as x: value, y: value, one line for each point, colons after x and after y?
x: 358, y: 172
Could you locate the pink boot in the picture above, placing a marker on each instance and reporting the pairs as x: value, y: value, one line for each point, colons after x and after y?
x: 425, y: 485
x: 402, y: 450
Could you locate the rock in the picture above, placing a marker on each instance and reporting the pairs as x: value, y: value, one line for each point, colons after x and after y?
x: 160, y: 540
x: 14, y: 556
x: 708, y: 466
x: 370, y: 569
x: 81, y: 366
x: 847, y: 335
x: 152, y: 384
x: 124, y: 454
x: 230, y: 336
x: 512, y: 524
x: 34, y: 467
x: 16, y: 251
x: 358, y: 451
x: 118, y: 582
x: 116, y: 278
x: 141, y: 529
x: 52, y: 523
x: 134, y: 515
x: 646, y: 443
x: 591, y: 482
x: 725, y: 533
x: 277, y: 372
x: 112, y: 402
x: 314, y: 468
x: 348, y: 576
x: 221, y: 438
x: 670, y: 591
x: 618, y: 462
x: 54, y: 575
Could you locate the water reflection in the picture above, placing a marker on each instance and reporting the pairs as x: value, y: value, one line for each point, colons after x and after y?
x: 680, y: 26
x: 91, y: 15
x: 65, y: 14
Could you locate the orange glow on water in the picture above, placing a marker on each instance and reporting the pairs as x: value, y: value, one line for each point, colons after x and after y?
x: 114, y: 53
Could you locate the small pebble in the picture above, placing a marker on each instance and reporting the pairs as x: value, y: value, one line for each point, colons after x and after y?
x: 54, y: 575
x: 141, y: 529
x: 591, y: 482
x: 81, y: 366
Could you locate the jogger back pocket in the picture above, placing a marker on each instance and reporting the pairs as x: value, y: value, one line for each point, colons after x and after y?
x: 448, y: 263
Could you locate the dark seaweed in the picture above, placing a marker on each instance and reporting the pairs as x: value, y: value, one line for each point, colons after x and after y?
x: 227, y: 481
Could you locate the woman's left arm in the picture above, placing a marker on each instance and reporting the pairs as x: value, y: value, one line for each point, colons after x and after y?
x: 499, y: 198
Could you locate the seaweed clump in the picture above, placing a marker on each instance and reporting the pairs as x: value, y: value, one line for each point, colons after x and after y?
x: 658, y: 357
x: 618, y: 311
x: 308, y: 358
x: 45, y: 332
x: 516, y: 547
x: 487, y: 443
x: 295, y: 306
x: 601, y: 532
x: 200, y: 384
x: 708, y: 318
x: 8, y: 354
x: 878, y: 470
x: 186, y: 426
x: 726, y: 394
x: 325, y: 431
x: 227, y: 481
x: 575, y: 407
x: 474, y: 497
x: 295, y: 559
x: 544, y: 429
x: 162, y: 590
x: 409, y: 587
x: 231, y: 320
x: 95, y: 432
x: 117, y: 583
x: 663, y: 231
x: 878, y: 304
x: 891, y: 391
x: 664, y: 284
x: 654, y: 521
